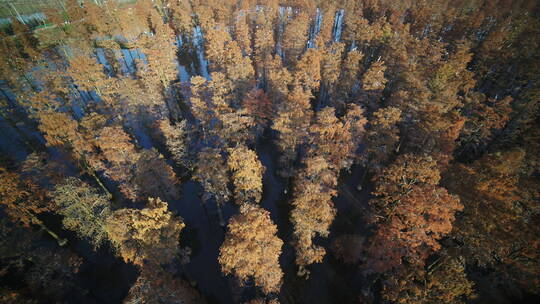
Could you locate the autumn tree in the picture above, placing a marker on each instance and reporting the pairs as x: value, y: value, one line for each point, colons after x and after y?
x: 225, y: 56
x: 43, y: 170
x: 251, y: 249
x: 200, y: 101
x: 313, y: 210
x: 236, y: 127
x: 211, y: 172
x: 84, y: 209
x: 495, y: 229
x: 382, y: 137
x: 154, y: 285
x: 242, y: 33
x: 62, y: 131
x: 414, y: 213
x: 307, y: 73
x: 292, y: 122
x: 278, y: 79
x: 42, y: 269
x: 295, y: 37
x: 154, y: 177
x: 88, y: 74
x: 337, y: 139
x: 443, y: 281
x: 247, y: 172
x: 260, y: 107
x: 177, y: 139
x: 145, y: 236
x: 263, y: 43
x: 349, y: 248
x: 487, y: 117
x: 349, y: 78
x: 119, y: 155
x: 374, y: 82
x: 330, y: 70
x: 24, y: 201
x: 181, y: 16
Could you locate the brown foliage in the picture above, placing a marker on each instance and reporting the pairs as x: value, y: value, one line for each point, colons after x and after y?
x: 382, y: 136
x: 155, y: 285
x: 313, y: 211
x: 415, y: 213
x: 22, y: 199
x: 337, y: 139
x: 153, y: 177
x: 247, y: 172
x: 145, y: 236
x: 295, y: 36
x: 259, y: 106
x: 251, y: 249
x: 292, y: 124
x: 211, y: 172
x: 373, y: 79
x: 444, y: 281
x: 497, y: 226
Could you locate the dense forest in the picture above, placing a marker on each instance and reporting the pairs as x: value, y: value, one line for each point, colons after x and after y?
x: 277, y: 151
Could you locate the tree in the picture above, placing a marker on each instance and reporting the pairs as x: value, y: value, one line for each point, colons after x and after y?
x: 413, y: 212
x: 406, y: 171
x: 251, y: 249
x: 88, y: 74
x: 161, y: 55
x: 225, y: 56
x: 487, y: 117
x: 382, y: 137
x: 247, y: 172
x: 443, y: 281
x: 60, y: 130
x: 313, y: 211
x: 499, y: 196
x: 259, y: 107
x: 155, y: 285
x: 330, y: 69
x: 181, y: 16
x: 24, y: 201
x: 154, y: 177
x: 242, y: 33
x: 200, y: 103
x: 373, y: 80
x: 216, y: 40
x: 278, y: 78
x: 263, y: 44
x: 349, y: 77
x: 145, y: 236
x: 84, y: 209
x: 292, y: 122
x: 349, y: 248
x: 295, y: 37
x: 355, y: 122
x: 334, y: 139
x: 307, y: 72
x: 42, y: 269
x: 211, y: 172
x: 120, y: 156
x: 176, y: 140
